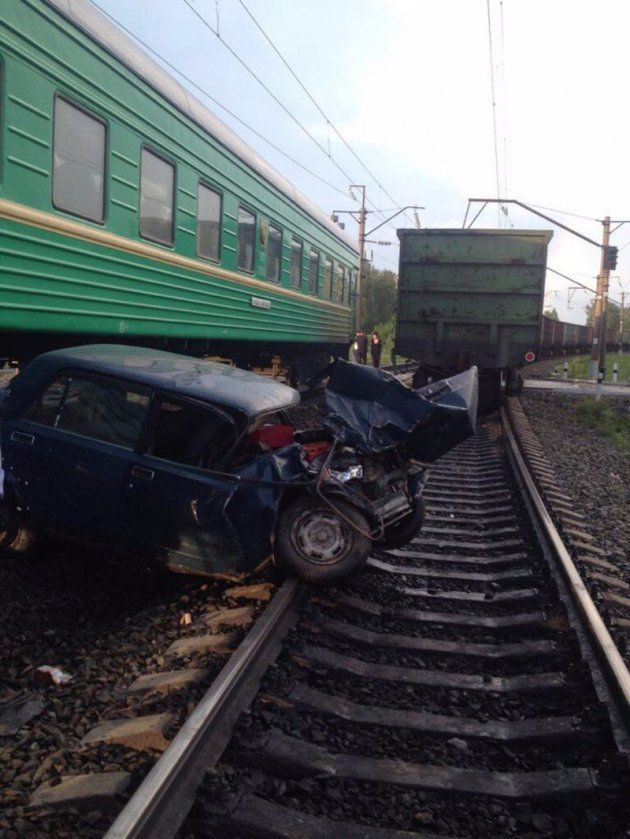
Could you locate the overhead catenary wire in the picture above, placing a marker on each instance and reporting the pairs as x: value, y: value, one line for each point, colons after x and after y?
x: 504, y: 208
x: 325, y: 116
x: 562, y: 212
x: 218, y: 103
x: 494, y: 110
x: 276, y: 99
x: 265, y: 87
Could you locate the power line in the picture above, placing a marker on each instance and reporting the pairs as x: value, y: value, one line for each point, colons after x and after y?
x: 504, y: 109
x: 494, y: 110
x: 329, y: 122
x: 215, y: 101
x: 278, y: 101
x: 254, y: 75
x: 562, y: 212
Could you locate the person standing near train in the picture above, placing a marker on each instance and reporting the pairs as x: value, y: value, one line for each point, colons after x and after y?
x: 376, y: 345
x: 361, y: 345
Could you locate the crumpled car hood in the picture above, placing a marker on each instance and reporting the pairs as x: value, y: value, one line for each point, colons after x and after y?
x: 374, y: 412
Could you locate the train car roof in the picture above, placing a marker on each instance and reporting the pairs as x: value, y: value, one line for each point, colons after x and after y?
x: 182, y: 375
x: 96, y: 25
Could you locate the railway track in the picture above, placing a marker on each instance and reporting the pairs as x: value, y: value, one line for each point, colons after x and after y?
x: 461, y: 685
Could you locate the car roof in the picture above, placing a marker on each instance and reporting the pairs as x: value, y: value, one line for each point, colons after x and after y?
x: 247, y: 392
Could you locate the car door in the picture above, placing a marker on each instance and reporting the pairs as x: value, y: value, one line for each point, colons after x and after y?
x: 174, y: 505
x: 74, y: 453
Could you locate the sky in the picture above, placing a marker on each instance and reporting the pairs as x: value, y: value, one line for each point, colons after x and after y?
x: 407, y: 83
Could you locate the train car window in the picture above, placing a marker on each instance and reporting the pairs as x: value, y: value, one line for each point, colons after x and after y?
x: 352, y: 289
x: 79, y: 142
x: 296, y: 263
x: 328, y: 278
x: 341, y: 283
x: 208, y: 223
x: 274, y: 254
x: 246, y: 239
x: 313, y: 272
x: 157, y: 191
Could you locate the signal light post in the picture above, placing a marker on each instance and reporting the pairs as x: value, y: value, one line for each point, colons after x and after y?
x: 598, y: 347
x: 608, y: 263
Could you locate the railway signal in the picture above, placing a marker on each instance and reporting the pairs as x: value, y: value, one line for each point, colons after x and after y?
x: 610, y: 257
x: 608, y: 263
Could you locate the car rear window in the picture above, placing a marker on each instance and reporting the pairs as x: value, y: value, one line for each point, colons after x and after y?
x: 101, y: 410
x: 191, y: 435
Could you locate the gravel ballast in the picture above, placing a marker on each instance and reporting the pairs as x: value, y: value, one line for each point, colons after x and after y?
x: 589, y: 466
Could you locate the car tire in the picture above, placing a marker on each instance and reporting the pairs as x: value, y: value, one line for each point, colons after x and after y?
x: 403, y: 531
x: 318, y: 544
x: 13, y: 536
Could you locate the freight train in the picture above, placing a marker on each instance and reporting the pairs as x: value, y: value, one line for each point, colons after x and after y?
x: 129, y: 212
x: 475, y: 297
x: 560, y: 338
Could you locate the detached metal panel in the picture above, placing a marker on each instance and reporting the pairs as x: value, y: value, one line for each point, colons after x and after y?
x: 470, y: 296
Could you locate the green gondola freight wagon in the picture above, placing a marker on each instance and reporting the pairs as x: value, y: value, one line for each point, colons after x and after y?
x: 470, y: 297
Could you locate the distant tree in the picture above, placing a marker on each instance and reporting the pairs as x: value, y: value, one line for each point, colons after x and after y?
x: 612, y: 318
x: 379, y: 296
x: 386, y: 332
x: 550, y: 312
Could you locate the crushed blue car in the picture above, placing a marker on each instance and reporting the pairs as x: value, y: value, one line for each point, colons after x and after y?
x: 195, y: 464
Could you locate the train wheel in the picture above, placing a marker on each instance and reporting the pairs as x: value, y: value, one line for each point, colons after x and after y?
x: 489, y: 391
x: 514, y: 383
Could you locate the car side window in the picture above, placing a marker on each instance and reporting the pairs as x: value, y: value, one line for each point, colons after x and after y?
x: 45, y: 408
x: 190, y: 434
x: 105, y: 411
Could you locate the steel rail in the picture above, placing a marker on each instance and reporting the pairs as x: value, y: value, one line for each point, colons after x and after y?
x: 612, y: 664
x: 162, y: 801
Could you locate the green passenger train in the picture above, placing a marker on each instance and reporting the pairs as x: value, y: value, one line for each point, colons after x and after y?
x: 129, y: 212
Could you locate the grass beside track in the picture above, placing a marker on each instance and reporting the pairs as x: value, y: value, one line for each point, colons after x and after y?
x: 601, y: 417
x: 579, y: 366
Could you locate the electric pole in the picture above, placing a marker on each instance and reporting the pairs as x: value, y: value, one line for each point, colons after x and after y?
x: 359, y: 292
x: 360, y: 216
x: 598, y: 349
x: 623, y: 299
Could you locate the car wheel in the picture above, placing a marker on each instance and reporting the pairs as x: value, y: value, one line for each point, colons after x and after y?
x: 403, y: 531
x: 317, y: 543
x: 13, y: 536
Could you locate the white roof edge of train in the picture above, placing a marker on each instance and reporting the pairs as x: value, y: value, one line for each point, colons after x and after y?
x: 88, y: 18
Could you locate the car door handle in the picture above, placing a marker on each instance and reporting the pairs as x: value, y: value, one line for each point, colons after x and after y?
x: 23, y: 437
x: 142, y: 473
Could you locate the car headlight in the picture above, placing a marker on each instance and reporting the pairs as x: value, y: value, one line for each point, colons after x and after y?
x: 345, y: 475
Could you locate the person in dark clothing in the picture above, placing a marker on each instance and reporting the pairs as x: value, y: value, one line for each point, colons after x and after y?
x: 376, y: 345
x: 361, y: 342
